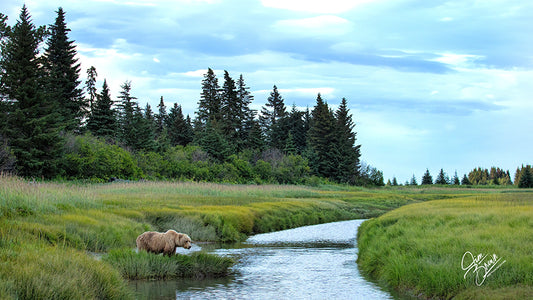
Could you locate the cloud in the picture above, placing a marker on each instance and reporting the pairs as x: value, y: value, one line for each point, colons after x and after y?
x: 315, y: 6
x: 458, y: 60
x: 324, y: 25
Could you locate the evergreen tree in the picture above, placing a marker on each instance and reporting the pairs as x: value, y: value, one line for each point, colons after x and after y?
x: 162, y: 117
x: 179, y: 129
x: 297, y: 131
x: 102, y: 121
x: 526, y: 177
x: 254, y: 140
x: 442, y: 178
x: 271, y: 118
x: 90, y: 85
x: 210, y: 104
x: 33, y: 130
x: 456, y: 179
x: 126, y: 110
x: 427, y: 179
x: 63, y: 74
x: 290, y: 146
x: 214, y: 143
x: 465, y: 180
x: 413, y: 180
x: 247, y: 117
x: 231, y: 109
x: 394, y: 181
x: 324, y: 159
x: 143, y: 131
x: 349, y: 153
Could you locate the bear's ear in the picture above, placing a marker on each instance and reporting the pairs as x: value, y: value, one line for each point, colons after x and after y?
x: 178, y: 238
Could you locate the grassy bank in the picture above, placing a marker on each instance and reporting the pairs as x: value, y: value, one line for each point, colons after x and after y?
x: 51, y: 227
x: 418, y: 249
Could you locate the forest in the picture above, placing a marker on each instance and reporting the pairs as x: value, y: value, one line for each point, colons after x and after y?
x: 53, y: 126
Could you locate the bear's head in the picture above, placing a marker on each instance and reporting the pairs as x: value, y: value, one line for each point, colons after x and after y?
x: 180, y: 239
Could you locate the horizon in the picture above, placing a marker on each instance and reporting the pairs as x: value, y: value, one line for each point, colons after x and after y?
x: 429, y: 86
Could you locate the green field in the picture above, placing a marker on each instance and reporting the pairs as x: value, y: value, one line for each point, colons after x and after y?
x: 57, y: 228
x: 418, y: 249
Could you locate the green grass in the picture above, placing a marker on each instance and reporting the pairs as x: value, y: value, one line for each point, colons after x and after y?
x: 41, y: 222
x: 417, y: 249
x: 143, y: 265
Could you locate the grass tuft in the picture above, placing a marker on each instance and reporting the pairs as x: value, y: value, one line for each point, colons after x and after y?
x: 144, y: 265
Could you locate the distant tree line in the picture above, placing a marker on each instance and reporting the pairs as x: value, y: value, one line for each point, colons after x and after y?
x: 50, y: 128
x: 523, y: 178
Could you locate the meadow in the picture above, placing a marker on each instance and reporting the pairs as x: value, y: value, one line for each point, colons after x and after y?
x: 431, y: 249
x: 76, y: 240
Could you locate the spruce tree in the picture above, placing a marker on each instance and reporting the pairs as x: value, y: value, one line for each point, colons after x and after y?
x: 179, y: 129
x: 214, y: 143
x: 442, y: 178
x: 90, y: 85
x: 349, y: 152
x: 231, y: 110
x: 247, y: 116
x: 324, y: 158
x: 63, y: 74
x: 162, y: 117
x: 126, y: 109
x: 297, y: 130
x: 142, y: 130
x: 271, y: 119
x: 465, y: 180
x: 526, y: 177
x: 33, y: 130
x: 102, y: 121
x: 456, y: 179
x: 413, y: 180
x: 427, y: 179
x: 210, y: 104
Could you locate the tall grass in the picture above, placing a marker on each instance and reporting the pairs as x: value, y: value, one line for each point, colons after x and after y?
x: 418, y: 248
x: 19, y: 197
x: 33, y: 271
x: 42, y: 223
x: 143, y: 265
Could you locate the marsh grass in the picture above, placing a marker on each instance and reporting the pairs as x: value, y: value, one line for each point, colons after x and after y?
x: 418, y: 248
x: 45, y: 221
x: 143, y: 265
x: 36, y: 271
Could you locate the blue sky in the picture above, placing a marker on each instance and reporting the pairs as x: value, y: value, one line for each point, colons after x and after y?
x: 430, y: 84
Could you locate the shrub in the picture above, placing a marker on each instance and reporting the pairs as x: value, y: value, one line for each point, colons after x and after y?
x: 90, y: 157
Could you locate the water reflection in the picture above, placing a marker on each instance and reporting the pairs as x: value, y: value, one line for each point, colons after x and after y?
x: 312, y: 262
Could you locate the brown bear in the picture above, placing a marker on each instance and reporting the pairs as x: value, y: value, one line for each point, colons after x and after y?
x: 166, y: 243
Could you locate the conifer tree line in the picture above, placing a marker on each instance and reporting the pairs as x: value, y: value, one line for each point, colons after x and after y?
x: 49, y: 125
x: 478, y: 176
x: 53, y: 125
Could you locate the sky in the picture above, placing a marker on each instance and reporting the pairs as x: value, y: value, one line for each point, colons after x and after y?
x: 430, y: 84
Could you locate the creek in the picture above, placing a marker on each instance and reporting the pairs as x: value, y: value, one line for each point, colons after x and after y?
x: 311, y: 262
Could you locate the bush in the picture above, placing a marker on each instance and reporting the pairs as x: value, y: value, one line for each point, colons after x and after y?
x: 90, y: 157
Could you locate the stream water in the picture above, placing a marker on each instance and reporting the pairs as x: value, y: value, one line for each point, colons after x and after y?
x: 311, y: 262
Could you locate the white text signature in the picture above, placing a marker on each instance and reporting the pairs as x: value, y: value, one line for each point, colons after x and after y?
x: 481, y: 265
